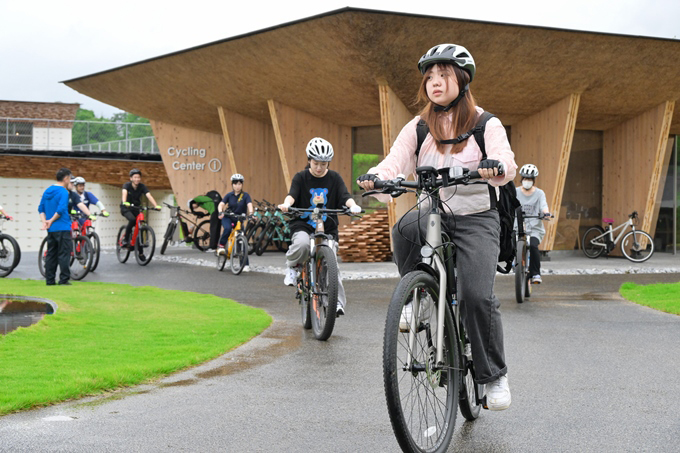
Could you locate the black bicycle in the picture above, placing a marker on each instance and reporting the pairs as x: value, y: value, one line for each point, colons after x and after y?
x: 200, y: 235
x: 523, y: 255
x: 427, y: 359
x: 10, y: 253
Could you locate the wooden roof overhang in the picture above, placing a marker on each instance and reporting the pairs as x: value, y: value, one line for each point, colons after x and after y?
x: 327, y: 66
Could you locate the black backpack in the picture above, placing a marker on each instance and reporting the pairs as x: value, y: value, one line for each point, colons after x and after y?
x: 507, y: 201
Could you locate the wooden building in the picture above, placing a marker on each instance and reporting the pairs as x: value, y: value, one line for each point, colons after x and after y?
x: 594, y: 111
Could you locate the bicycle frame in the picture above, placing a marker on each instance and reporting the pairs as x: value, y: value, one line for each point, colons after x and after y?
x: 138, y: 225
x: 610, y: 233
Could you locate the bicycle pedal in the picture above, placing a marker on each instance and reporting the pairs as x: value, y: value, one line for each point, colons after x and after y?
x: 484, y: 405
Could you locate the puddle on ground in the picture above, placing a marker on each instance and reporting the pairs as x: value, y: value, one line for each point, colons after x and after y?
x: 19, y: 311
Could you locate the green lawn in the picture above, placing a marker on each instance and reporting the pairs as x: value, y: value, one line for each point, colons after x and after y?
x: 660, y: 296
x: 105, y: 336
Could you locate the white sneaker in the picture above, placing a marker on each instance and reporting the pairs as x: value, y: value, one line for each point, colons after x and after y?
x: 498, y: 394
x: 340, y: 311
x: 291, y: 276
x: 221, y: 251
x: 246, y: 268
x: 536, y: 279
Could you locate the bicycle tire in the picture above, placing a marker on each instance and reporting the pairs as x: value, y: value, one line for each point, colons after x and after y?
x: 470, y: 392
x: 263, y: 240
x: 122, y: 253
x: 97, y: 247
x: 631, y: 246
x: 202, y: 236
x: 419, y: 397
x: 304, y: 288
x: 239, y: 254
x: 81, y: 259
x: 42, y: 257
x: 589, y: 249
x: 324, y: 296
x: 169, y: 232
x: 520, y: 271
x: 145, y: 245
x: 221, y: 261
x: 254, y: 236
x: 10, y: 254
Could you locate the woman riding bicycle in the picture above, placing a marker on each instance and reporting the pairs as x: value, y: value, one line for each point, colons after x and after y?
x: 468, y: 216
x: 238, y: 202
x: 131, y: 197
x: 533, y: 204
x: 314, y: 185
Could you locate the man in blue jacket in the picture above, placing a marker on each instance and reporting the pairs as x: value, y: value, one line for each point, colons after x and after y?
x: 54, y: 214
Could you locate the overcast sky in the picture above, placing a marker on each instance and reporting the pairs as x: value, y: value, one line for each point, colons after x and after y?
x: 46, y: 42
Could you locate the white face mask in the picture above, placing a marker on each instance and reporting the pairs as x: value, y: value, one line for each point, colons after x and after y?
x: 527, y: 184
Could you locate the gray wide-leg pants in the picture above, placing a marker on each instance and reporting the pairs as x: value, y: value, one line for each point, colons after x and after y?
x: 298, y: 252
x: 477, y: 240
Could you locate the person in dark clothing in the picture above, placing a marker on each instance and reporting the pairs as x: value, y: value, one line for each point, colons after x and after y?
x: 238, y: 202
x: 54, y: 214
x: 132, y: 198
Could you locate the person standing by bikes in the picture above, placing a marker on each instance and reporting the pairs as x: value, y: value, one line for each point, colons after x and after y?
x: 87, y: 198
x: 132, y: 197
x: 534, y: 204
x: 55, y: 218
x: 469, y: 215
x: 238, y: 202
x: 311, y: 186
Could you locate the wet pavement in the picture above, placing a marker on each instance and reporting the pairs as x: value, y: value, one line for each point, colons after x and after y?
x: 588, y: 370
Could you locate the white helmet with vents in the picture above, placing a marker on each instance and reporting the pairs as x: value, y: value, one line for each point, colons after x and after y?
x: 237, y: 177
x: 449, y: 54
x: 320, y: 150
x: 528, y: 171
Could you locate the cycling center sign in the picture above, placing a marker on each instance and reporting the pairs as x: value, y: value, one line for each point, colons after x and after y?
x: 198, y: 154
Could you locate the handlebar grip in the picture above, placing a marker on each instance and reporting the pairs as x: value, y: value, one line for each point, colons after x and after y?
x: 379, y: 183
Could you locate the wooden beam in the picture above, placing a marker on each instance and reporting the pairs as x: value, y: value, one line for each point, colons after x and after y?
x: 662, y: 155
x: 279, y: 142
x: 227, y: 141
x: 544, y: 139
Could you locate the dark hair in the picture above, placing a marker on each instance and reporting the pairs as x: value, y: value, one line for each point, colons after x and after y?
x: 62, y: 173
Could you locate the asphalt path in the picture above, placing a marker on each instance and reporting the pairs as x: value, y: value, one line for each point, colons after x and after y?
x: 588, y: 371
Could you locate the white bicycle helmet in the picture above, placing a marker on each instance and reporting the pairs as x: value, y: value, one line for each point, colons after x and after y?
x: 237, y: 177
x: 528, y: 171
x: 451, y: 54
x: 319, y: 150
x: 78, y: 180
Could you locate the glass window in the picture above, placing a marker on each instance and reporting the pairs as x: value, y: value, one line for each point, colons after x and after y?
x: 667, y: 221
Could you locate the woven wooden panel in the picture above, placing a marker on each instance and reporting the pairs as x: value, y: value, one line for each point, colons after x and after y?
x: 366, y: 240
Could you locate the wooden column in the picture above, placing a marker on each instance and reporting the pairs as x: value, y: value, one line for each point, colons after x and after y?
x: 293, y: 129
x: 227, y: 140
x: 635, y: 157
x: 544, y: 139
x: 393, y: 116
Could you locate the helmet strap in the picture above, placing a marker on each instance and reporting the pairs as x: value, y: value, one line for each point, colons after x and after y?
x: 439, y: 108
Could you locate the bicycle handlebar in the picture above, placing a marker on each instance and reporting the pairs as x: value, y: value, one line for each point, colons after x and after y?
x: 429, y: 178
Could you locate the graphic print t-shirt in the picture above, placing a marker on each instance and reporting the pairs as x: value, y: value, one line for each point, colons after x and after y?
x: 308, y: 191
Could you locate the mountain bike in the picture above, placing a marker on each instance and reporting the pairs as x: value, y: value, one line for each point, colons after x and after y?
x: 201, y: 231
x: 427, y: 365
x: 637, y: 245
x: 143, y: 240
x: 87, y: 229
x: 276, y: 231
x: 10, y: 252
x: 82, y: 253
x: 237, y: 246
x: 523, y: 255
x: 256, y: 225
x: 317, y: 281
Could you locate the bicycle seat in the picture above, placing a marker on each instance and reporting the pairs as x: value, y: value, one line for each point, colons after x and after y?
x: 607, y: 220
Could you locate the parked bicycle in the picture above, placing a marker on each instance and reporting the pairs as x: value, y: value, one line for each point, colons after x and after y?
x: 636, y: 245
x: 200, y: 236
x: 82, y: 253
x: 143, y: 240
x: 427, y: 364
x: 523, y: 255
x: 317, y: 282
x: 87, y: 229
x: 236, y: 248
x: 10, y: 252
x: 276, y: 231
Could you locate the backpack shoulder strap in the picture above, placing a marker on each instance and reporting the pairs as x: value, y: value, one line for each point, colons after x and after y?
x: 478, y: 131
x: 422, y: 129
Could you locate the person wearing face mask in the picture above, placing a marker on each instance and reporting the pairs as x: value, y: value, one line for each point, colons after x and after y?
x: 533, y: 204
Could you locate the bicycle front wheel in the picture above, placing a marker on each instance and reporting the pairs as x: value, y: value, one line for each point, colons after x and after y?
x: 637, y: 246
x: 81, y: 259
x: 422, y: 396
x: 145, y: 245
x: 96, y: 246
x: 202, y: 236
x: 592, y: 245
x: 470, y: 392
x: 169, y: 232
x: 42, y: 257
x: 304, y: 295
x: 239, y: 254
x: 324, y: 300
x: 10, y: 254
x: 520, y: 271
x: 122, y: 252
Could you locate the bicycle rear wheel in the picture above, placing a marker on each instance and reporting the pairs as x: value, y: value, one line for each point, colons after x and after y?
x: 520, y: 271
x: 637, y: 246
x: 122, y: 252
x: 592, y: 248
x: 81, y: 259
x: 422, y: 398
x: 42, y: 257
x: 253, y: 234
x: 263, y: 239
x: 96, y: 247
x: 145, y: 245
x: 10, y: 254
x: 167, y: 237
x: 304, y: 295
x: 324, y: 297
x: 202, y: 236
x: 239, y: 254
